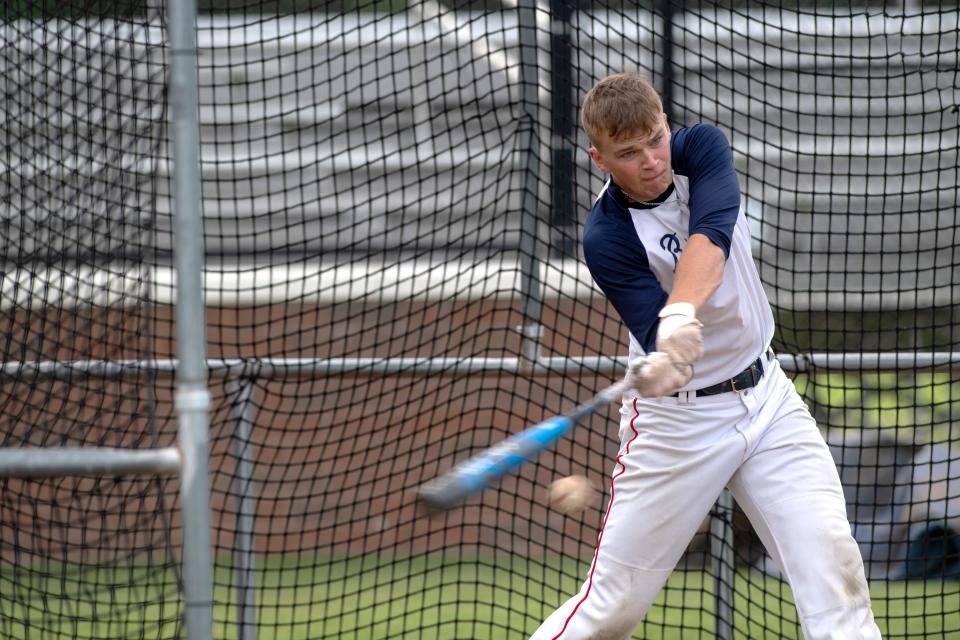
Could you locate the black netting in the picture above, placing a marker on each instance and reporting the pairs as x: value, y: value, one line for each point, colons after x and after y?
x: 393, y: 195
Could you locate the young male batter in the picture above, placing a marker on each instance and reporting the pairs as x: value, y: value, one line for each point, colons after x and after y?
x: 667, y: 243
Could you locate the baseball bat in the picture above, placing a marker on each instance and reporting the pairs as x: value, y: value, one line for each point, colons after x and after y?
x: 477, y: 472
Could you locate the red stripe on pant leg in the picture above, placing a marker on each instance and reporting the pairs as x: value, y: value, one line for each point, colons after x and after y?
x: 596, y: 553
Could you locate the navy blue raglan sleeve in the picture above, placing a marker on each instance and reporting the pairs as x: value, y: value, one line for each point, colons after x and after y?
x: 618, y: 263
x: 702, y: 153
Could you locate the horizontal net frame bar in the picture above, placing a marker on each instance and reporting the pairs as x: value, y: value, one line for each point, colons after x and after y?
x: 319, y: 367
x: 49, y: 462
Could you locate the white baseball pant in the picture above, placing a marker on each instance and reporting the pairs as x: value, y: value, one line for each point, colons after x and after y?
x: 675, y: 457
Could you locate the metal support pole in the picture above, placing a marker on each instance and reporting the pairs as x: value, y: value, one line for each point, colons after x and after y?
x: 530, y: 284
x: 562, y: 130
x: 722, y: 563
x: 50, y: 462
x: 300, y: 368
x: 244, y: 568
x: 666, y: 51
x: 192, y: 398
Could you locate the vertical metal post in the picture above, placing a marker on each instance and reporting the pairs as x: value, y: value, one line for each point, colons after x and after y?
x: 722, y: 560
x: 530, y: 285
x: 562, y: 130
x: 244, y: 552
x: 666, y: 71
x: 192, y: 398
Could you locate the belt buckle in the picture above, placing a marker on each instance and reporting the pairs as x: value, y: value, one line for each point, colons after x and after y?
x: 733, y: 384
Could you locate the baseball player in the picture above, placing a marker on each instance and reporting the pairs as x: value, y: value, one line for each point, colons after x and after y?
x: 667, y: 243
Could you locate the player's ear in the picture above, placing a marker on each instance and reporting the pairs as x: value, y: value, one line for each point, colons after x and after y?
x: 597, y: 160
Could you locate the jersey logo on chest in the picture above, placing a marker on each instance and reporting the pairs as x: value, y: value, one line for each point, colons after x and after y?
x: 671, y: 244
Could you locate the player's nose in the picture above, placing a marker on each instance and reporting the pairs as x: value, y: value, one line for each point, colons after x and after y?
x: 648, y: 161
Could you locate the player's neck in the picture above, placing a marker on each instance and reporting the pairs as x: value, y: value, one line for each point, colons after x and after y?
x: 632, y: 201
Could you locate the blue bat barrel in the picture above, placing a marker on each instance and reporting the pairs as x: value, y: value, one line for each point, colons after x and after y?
x: 477, y: 473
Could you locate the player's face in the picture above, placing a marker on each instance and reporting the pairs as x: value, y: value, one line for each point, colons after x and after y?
x: 639, y: 164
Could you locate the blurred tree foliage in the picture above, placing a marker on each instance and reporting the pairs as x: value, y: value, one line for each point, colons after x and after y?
x: 918, y: 406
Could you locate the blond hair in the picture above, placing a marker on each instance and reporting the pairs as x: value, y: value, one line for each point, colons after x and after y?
x: 619, y: 106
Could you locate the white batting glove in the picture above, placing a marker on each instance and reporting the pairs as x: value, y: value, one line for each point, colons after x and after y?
x: 657, y: 374
x: 679, y: 333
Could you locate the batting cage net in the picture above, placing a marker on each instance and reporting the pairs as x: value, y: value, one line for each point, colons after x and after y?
x: 393, y: 195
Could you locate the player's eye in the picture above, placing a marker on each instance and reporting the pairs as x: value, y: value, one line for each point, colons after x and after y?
x: 629, y: 153
x: 656, y: 141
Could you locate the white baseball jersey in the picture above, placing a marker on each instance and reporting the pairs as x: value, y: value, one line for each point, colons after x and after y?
x: 677, y: 453
x: 632, y: 250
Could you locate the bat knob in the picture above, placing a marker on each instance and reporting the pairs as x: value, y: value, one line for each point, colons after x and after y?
x: 436, y: 496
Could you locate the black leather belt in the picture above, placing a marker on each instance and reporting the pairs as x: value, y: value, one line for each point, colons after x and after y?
x: 746, y: 379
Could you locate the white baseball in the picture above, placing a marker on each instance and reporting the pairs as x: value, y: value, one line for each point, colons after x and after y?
x: 571, y: 494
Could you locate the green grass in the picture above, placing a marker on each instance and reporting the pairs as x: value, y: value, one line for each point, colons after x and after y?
x: 425, y: 597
